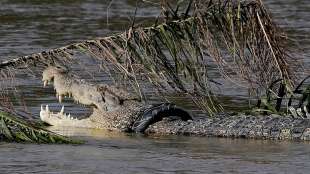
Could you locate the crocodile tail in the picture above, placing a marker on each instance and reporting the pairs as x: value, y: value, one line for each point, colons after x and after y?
x: 156, y: 113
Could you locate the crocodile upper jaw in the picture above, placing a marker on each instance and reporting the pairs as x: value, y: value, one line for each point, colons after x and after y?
x: 81, y: 92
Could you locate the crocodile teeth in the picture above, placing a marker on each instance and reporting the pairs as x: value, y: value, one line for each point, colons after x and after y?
x: 47, y: 109
x: 62, y: 110
x: 45, y: 83
x: 60, y: 98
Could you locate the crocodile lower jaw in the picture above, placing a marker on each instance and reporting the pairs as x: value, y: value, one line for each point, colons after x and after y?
x: 63, y: 119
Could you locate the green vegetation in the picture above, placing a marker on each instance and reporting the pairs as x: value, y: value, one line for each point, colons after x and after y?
x: 14, y: 129
x: 297, y: 99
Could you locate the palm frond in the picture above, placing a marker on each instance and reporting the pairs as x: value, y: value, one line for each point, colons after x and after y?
x: 14, y: 129
x: 238, y: 36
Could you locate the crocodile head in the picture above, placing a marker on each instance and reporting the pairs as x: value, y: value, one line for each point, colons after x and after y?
x: 113, y: 108
x: 103, y: 99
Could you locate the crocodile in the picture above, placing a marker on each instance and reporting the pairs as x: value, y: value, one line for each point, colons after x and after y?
x: 115, y: 108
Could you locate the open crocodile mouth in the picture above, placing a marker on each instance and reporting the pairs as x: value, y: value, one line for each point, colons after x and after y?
x: 105, y: 101
x: 46, y: 112
x: 100, y: 98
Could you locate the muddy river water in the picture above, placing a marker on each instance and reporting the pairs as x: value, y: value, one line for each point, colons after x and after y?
x: 35, y: 25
